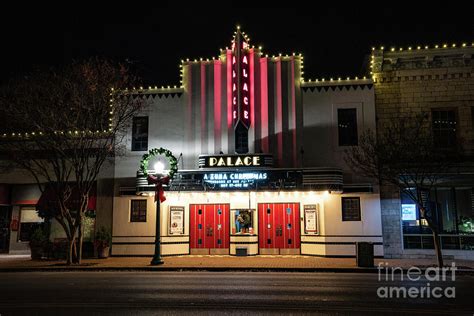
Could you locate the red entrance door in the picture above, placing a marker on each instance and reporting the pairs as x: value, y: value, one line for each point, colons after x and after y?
x: 279, y: 228
x: 209, y: 227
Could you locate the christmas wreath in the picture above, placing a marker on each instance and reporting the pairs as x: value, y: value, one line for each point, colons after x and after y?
x: 159, y: 181
x: 155, y: 152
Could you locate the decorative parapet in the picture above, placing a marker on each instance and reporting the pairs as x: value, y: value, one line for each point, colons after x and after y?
x: 449, y: 60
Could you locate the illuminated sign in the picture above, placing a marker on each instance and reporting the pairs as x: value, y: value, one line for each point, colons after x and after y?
x: 231, y: 180
x: 408, y: 212
x: 240, y: 82
x: 236, y: 161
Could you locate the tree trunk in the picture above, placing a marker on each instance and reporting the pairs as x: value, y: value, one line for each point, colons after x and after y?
x: 80, y: 218
x: 436, y: 240
x: 71, y: 250
x: 80, y: 237
x: 437, y: 246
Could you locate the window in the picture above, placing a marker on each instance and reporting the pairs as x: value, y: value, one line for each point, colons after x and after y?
x: 241, y: 139
x: 138, y: 211
x: 347, y: 127
x: 140, y: 133
x: 351, y: 209
x: 465, y: 210
x: 451, y: 208
x: 444, y: 128
x: 29, y: 221
x: 242, y: 221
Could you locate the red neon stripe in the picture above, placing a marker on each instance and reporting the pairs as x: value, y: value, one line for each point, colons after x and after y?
x: 293, y: 109
x: 279, y: 115
x: 229, y: 90
x: 203, y: 107
x: 252, y: 84
x: 264, y: 104
x: 189, y: 90
x: 217, y: 105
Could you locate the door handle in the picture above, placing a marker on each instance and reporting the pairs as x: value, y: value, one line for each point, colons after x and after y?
x: 279, y: 230
x: 209, y: 231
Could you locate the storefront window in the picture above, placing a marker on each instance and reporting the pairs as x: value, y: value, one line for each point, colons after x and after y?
x: 451, y: 208
x: 242, y: 221
x: 29, y: 220
x: 465, y: 210
x: 445, y: 207
x: 412, y: 221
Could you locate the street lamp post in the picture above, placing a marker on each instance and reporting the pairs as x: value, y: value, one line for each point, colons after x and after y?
x: 157, y: 256
x: 159, y: 168
x: 159, y: 179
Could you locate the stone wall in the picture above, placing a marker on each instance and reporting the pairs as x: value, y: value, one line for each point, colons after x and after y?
x: 415, y: 81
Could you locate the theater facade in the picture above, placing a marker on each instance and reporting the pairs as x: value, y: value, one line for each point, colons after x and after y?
x: 261, y: 161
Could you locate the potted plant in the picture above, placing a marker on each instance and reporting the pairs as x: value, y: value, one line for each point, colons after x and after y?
x: 38, y: 242
x: 103, y: 239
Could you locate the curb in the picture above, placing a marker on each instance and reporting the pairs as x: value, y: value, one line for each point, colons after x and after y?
x: 213, y: 269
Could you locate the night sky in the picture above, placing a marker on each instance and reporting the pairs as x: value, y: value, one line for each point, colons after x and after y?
x: 334, y: 40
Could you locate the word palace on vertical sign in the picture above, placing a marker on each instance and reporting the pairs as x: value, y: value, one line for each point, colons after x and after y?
x: 240, y: 81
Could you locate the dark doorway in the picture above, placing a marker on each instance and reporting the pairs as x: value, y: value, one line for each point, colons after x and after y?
x: 5, y: 215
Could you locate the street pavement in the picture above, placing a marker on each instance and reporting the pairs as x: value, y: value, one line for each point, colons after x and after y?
x: 228, y: 293
x: 296, y: 262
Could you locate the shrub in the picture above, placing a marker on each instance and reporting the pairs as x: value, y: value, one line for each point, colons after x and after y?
x: 103, y: 238
x: 38, y: 238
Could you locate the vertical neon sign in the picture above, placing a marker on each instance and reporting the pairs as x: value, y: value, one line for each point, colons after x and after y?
x: 240, y: 81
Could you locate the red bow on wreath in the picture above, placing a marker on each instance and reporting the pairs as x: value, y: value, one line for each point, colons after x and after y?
x: 159, y: 186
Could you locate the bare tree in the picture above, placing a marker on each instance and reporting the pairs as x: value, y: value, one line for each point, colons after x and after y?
x: 403, y: 154
x: 61, y: 126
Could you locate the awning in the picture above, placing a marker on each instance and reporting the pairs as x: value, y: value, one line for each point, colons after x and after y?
x: 48, y: 200
x: 25, y: 194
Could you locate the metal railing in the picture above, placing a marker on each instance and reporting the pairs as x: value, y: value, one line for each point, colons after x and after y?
x: 448, y: 241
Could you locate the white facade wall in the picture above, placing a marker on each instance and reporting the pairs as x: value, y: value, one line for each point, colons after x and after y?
x: 320, y: 136
x: 336, y: 238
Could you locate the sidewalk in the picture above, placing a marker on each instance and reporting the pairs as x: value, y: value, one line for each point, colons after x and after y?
x: 220, y: 263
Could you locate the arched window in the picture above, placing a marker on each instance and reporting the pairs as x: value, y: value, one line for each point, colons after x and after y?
x: 241, y: 139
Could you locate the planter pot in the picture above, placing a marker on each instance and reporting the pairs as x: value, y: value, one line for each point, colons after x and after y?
x: 36, y: 252
x: 103, y: 252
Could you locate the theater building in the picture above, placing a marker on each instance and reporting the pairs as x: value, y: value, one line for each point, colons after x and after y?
x: 260, y: 157
x: 261, y: 167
